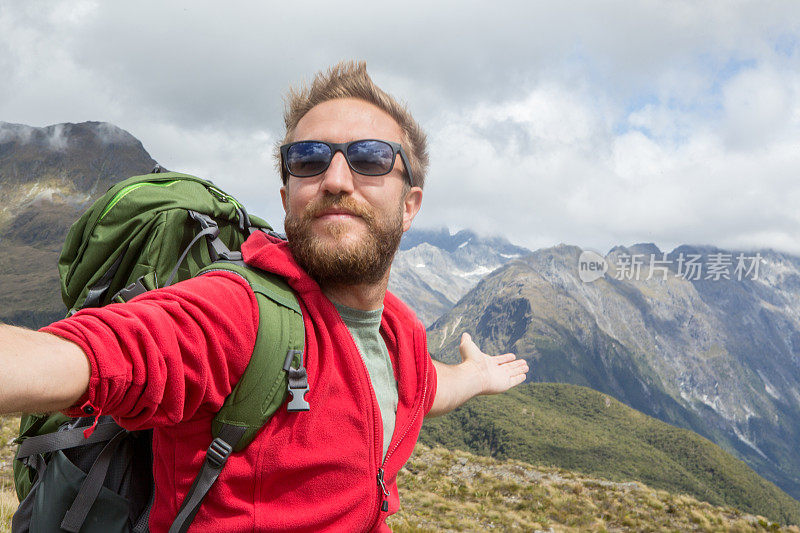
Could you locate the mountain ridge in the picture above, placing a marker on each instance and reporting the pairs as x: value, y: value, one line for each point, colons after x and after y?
x: 433, y: 269
x: 663, y: 346
x: 48, y: 176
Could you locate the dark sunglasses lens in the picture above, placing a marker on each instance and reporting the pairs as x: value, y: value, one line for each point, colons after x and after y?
x: 372, y: 158
x: 308, y: 158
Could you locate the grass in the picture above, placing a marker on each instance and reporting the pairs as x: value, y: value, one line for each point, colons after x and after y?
x: 9, y: 426
x: 444, y: 490
x: 582, y: 430
x: 8, y: 504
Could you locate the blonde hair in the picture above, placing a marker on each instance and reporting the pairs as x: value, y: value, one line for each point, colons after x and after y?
x: 349, y: 79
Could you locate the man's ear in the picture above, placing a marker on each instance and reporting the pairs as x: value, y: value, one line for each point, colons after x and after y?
x: 411, y: 206
x: 284, y: 197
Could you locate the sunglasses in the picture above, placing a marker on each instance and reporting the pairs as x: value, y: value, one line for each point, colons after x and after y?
x: 370, y: 157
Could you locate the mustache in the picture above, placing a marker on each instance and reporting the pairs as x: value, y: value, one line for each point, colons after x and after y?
x: 346, y: 203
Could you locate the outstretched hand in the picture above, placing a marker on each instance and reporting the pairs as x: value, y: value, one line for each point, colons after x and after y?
x: 498, y: 373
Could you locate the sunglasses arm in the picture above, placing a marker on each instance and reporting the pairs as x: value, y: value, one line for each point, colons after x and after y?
x: 407, y: 166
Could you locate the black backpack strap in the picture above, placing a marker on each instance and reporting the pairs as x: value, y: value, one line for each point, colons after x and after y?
x: 69, y: 438
x: 216, y: 457
x: 217, y: 249
x: 90, y: 488
x: 207, y: 229
x: 95, y: 296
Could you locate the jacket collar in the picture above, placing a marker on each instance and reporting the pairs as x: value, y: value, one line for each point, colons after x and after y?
x: 273, y: 255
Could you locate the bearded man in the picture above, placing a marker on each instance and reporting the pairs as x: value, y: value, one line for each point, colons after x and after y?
x: 353, y: 164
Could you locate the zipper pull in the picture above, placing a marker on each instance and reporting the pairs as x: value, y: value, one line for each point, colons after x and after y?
x: 384, y: 504
x: 218, y: 194
x: 89, y: 410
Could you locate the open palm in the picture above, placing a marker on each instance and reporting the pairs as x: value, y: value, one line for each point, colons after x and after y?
x: 498, y: 372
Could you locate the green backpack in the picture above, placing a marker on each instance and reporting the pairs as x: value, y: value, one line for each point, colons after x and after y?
x: 144, y: 233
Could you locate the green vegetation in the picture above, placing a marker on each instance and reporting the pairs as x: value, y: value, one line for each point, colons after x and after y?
x: 9, y: 427
x: 442, y: 490
x: 8, y: 504
x: 579, y: 429
x: 445, y: 490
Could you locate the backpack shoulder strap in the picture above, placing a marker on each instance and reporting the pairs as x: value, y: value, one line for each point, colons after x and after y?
x: 277, y: 356
x: 275, y: 367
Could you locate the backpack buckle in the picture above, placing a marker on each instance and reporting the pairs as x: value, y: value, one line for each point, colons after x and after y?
x: 298, y: 381
x: 218, y: 452
x: 131, y: 291
x: 216, y: 248
x: 298, y: 401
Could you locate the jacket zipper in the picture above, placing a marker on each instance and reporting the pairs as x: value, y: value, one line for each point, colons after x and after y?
x: 416, y: 412
x: 384, y: 502
x: 375, y: 423
x: 223, y: 197
x: 90, y: 410
x: 383, y: 492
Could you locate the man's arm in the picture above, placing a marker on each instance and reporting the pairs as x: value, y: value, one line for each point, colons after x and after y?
x: 155, y: 360
x: 478, y: 373
x: 39, y: 372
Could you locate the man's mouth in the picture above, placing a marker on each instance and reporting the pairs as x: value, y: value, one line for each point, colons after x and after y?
x: 336, y: 214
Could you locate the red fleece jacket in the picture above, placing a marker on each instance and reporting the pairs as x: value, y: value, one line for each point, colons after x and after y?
x: 168, y: 359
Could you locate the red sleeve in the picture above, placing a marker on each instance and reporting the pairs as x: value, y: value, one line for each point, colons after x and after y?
x: 168, y: 353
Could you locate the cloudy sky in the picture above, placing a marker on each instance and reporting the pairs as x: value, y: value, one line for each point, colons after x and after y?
x: 599, y: 124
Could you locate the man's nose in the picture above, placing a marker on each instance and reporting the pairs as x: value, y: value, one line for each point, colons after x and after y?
x: 338, y: 178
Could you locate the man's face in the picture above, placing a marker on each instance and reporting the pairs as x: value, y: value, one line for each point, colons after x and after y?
x: 345, y: 227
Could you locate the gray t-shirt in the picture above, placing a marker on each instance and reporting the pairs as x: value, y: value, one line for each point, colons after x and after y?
x: 365, y: 326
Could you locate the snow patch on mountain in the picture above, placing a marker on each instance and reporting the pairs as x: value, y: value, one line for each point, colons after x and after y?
x: 434, y: 269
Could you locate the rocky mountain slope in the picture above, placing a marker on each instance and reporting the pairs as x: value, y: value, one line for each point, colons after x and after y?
x: 717, y: 356
x: 434, y: 269
x: 47, y: 177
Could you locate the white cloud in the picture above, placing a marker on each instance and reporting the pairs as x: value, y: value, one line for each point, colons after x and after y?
x: 760, y: 107
x: 564, y: 172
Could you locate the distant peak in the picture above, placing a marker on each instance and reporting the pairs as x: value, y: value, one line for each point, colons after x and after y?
x: 561, y: 249
x: 58, y: 137
x: 442, y: 238
x: 645, y: 248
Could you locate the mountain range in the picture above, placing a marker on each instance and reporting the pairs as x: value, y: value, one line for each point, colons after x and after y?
x: 717, y: 356
x: 434, y: 269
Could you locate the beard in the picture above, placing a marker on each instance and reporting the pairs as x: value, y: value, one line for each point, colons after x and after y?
x: 344, y: 263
